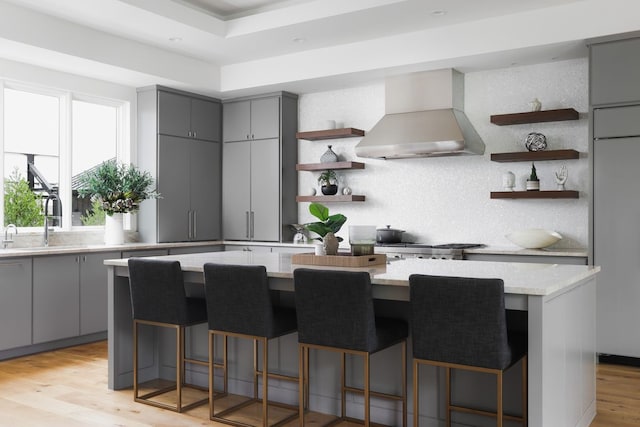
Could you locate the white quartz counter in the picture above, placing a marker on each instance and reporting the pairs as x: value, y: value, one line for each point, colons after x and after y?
x: 519, y: 278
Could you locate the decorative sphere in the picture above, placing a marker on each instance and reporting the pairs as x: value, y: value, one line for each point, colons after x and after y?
x: 346, y: 191
x: 535, y: 141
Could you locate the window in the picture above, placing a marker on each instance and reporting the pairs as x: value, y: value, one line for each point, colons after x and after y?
x: 50, y: 139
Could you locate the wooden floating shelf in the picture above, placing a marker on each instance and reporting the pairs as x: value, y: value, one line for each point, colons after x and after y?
x: 317, y: 135
x: 566, y: 194
x: 327, y: 166
x: 527, y: 156
x: 336, y: 198
x: 535, y: 117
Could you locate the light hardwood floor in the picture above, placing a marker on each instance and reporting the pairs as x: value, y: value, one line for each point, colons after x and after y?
x: 68, y: 388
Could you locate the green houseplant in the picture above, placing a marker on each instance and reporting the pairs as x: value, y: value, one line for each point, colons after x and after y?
x: 116, y: 188
x: 533, y: 183
x: 326, y: 227
x: 119, y: 187
x: 327, y: 180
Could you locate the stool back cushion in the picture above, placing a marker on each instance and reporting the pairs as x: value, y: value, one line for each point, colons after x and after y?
x: 238, y: 299
x: 459, y: 320
x: 157, y: 291
x: 335, y: 309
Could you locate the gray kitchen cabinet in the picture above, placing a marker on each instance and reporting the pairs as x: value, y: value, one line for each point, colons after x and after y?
x: 93, y: 291
x: 252, y: 197
x: 189, y: 183
x: 614, y: 71
x: 15, y: 302
x: 144, y: 252
x: 251, y: 119
x: 195, y: 249
x: 56, y: 297
x: 188, y: 117
x: 186, y: 167
x: 258, y: 172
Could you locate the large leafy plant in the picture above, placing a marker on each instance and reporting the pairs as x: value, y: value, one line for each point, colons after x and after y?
x: 118, y: 187
x: 327, y: 224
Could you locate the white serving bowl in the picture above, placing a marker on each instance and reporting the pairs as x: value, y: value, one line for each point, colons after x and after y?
x: 534, y: 238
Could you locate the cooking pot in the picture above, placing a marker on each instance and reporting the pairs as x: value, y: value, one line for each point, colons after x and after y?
x: 388, y: 235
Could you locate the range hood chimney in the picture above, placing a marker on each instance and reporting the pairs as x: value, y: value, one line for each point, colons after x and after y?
x: 423, y: 118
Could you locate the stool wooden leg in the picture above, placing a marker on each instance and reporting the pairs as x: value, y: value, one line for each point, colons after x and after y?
x: 225, y: 366
x: 416, y: 394
x: 306, y: 376
x: 255, y: 369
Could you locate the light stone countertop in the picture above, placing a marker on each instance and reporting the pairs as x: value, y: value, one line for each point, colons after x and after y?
x: 515, y: 250
x: 519, y: 278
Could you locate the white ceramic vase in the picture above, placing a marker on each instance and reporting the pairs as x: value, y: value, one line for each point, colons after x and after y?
x: 113, y: 229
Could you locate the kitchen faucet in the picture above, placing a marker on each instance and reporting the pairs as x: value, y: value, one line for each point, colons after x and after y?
x: 55, y: 199
x: 8, y: 238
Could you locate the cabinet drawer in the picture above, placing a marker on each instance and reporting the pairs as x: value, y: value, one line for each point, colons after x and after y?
x: 616, y: 122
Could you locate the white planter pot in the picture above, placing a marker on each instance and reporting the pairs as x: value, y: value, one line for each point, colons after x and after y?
x: 113, y: 229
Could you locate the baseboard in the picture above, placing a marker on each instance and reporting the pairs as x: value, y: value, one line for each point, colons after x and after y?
x: 614, y: 359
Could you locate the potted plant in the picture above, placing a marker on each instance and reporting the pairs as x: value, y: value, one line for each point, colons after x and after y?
x: 533, y: 183
x: 328, y: 180
x: 118, y: 188
x: 326, y: 227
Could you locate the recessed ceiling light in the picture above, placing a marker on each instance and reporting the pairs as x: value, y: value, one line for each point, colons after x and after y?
x: 175, y: 39
x: 298, y: 40
x: 439, y: 13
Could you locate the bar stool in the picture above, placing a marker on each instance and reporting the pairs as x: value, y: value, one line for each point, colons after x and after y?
x: 460, y: 323
x: 239, y: 305
x: 158, y: 298
x: 335, y: 312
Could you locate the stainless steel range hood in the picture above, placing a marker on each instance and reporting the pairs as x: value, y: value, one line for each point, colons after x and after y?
x: 424, y: 118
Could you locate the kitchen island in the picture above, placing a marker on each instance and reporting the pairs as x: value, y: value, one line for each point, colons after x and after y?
x: 559, y: 302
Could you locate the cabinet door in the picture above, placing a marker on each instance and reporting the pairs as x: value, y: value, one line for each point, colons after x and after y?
x: 265, y: 118
x: 56, y: 302
x: 15, y: 303
x: 174, y: 113
x: 173, y: 186
x: 235, y: 190
x: 265, y: 189
x: 616, y: 200
x: 205, y: 190
x: 205, y: 120
x: 615, y: 71
x: 93, y: 292
x: 236, y: 121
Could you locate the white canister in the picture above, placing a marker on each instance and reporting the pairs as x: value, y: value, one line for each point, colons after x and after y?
x: 319, y: 249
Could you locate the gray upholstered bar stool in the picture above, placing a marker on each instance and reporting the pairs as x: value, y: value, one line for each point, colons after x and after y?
x: 158, y: 298
x: 239, y: 305
x: 335, y: 312
x: 460, y: 323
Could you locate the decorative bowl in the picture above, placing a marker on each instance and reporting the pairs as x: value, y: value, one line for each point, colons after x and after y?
x: 534, y: 238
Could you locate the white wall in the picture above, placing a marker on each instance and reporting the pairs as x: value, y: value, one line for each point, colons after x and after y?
x: 439, y: 200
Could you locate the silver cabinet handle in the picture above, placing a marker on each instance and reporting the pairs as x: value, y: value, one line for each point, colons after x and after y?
x: 189, y: 225
x: 195, y: 134
x: 246, y: 217
x: 252, y: 224
x: 189, y: 133
x: 195, y: 224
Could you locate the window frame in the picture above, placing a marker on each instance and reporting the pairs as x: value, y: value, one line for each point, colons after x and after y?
x: 65, y: 148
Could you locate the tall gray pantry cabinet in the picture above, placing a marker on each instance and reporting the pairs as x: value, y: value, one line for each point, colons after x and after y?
x: 179, y: 143
x: 615, y: 113
x: 259, y: 154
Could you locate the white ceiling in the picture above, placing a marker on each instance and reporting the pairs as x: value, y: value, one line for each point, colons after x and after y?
x: 232, y: 47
